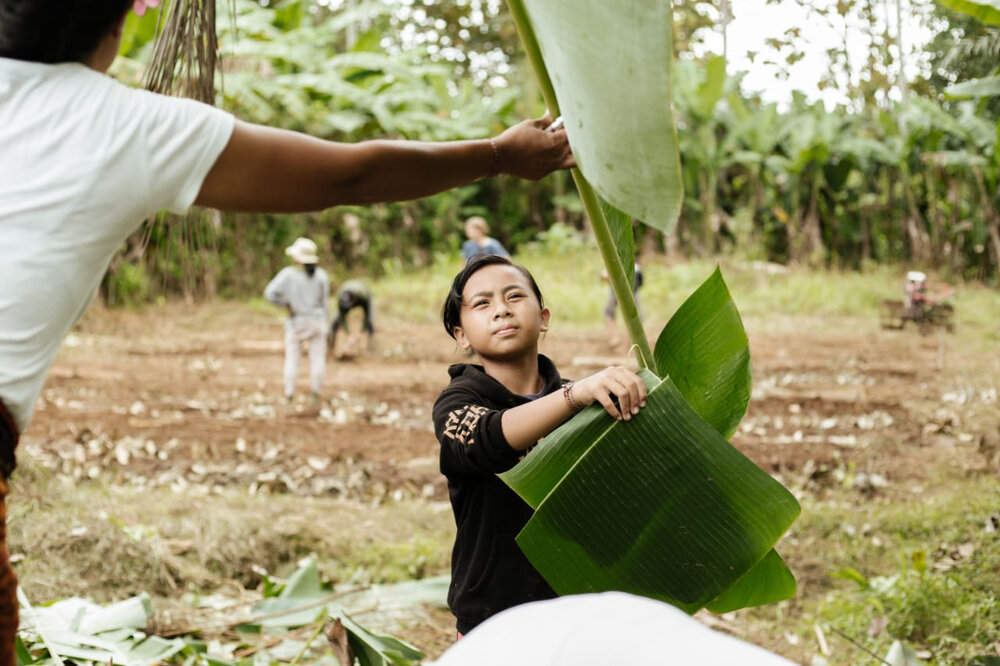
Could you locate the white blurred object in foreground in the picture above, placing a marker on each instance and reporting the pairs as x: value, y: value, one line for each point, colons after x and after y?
x: 599, y: 630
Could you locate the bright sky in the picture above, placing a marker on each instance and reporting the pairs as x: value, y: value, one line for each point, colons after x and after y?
x: 754, y: 21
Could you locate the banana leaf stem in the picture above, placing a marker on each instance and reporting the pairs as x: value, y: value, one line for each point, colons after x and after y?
x: 616, y: 271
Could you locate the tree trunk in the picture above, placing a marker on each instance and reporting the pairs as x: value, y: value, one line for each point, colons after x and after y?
x: 914, y: 226
x: 809, y: 242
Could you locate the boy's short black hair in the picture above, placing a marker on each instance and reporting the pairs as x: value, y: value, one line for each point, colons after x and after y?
x: 54, y: 31
x: 451, y: 314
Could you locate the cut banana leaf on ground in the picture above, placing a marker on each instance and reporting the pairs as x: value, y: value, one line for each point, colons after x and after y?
x: 79, y: 630
x: 609, y: 65
x: 663, y: 505
x: 306, y: 599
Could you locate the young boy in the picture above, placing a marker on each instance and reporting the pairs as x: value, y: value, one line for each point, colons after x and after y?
x: 84, y: 159
x: 490, y: 415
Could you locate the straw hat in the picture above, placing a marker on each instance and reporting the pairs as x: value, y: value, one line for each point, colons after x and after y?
x: 303, y: 251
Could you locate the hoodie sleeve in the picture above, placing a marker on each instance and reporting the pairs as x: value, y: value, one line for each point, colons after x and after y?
x: 471, y: 435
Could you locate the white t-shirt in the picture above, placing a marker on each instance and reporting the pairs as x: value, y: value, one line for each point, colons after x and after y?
x: 601, y: 629
x: 83, y: 160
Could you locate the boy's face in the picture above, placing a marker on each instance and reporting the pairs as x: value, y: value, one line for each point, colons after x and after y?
x: 501, y: 316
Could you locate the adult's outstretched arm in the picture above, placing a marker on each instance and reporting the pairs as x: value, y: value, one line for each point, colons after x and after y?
x: 270, y: 170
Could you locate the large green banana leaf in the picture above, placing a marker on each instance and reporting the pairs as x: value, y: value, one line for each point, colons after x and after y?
x: 660, y: 506
x: 704, y: 350
x: 716, y: 384
x: 609, y: 64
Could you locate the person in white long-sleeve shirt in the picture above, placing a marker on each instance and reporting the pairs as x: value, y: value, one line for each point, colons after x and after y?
x: 303, y: 291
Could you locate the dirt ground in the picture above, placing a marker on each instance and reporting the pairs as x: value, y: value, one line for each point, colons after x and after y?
x: 191, y: 397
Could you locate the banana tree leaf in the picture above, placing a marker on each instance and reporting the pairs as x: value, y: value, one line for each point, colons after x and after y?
x: 704, y: 350
x: 81, y: 630
x: 987, y: 11
x: 21, y: 652
x: 539, y: 473
x: 710, y: 90
x: 986, y: 87
x: 769, y: 581
x: 372, y: 649
x: 609, y: 63
x: 620, y: 225
x: 660, y: 506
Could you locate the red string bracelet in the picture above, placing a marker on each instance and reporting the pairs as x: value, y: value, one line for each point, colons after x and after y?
x: 567, y: 389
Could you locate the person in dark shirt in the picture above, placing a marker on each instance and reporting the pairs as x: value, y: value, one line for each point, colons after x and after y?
x: 490, y: 415
x: 353, y: 294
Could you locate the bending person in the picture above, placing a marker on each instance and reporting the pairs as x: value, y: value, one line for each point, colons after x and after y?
x: 353, y: 294
x: 84, y: 159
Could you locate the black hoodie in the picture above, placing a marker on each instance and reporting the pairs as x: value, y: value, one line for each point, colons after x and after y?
x: 489, y: 573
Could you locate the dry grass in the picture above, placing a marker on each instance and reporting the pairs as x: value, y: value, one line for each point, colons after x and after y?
x: 107, y: 543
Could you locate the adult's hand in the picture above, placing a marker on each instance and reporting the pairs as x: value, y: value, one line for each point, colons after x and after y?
x: 269, y: 170
x: 526, y: 150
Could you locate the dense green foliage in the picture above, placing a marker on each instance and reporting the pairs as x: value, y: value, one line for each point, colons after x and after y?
x: 912, y: 182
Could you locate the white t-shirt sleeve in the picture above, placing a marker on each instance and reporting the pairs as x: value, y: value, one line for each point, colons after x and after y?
x: 183, y: 138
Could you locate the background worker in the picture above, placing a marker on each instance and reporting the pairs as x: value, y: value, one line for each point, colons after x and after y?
x: 477, y: 230
x: 353, y: 294
x: 304, y: 291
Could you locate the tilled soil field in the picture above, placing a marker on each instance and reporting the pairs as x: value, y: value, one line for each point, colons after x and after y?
x: 187, y: 398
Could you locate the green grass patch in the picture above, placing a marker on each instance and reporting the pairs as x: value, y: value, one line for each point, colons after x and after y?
x: 569, y: 275
x: 922, y: 569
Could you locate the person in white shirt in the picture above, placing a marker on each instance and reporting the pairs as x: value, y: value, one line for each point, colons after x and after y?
x: 304, y: 292
x: 84, y: 159
x: 598, y: 630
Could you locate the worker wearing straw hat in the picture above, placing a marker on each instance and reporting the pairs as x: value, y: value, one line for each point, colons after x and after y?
x: 304, y: 291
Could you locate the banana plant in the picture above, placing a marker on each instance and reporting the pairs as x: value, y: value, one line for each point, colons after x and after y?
x: 662, y: 506
x: 698, y: 89
x: 987, y: 11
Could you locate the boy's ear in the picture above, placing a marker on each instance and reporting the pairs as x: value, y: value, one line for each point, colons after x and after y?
x: 545, y: 314
x: 460, y: 338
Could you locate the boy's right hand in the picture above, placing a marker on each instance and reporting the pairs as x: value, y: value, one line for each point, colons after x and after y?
x: 616, y: 381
